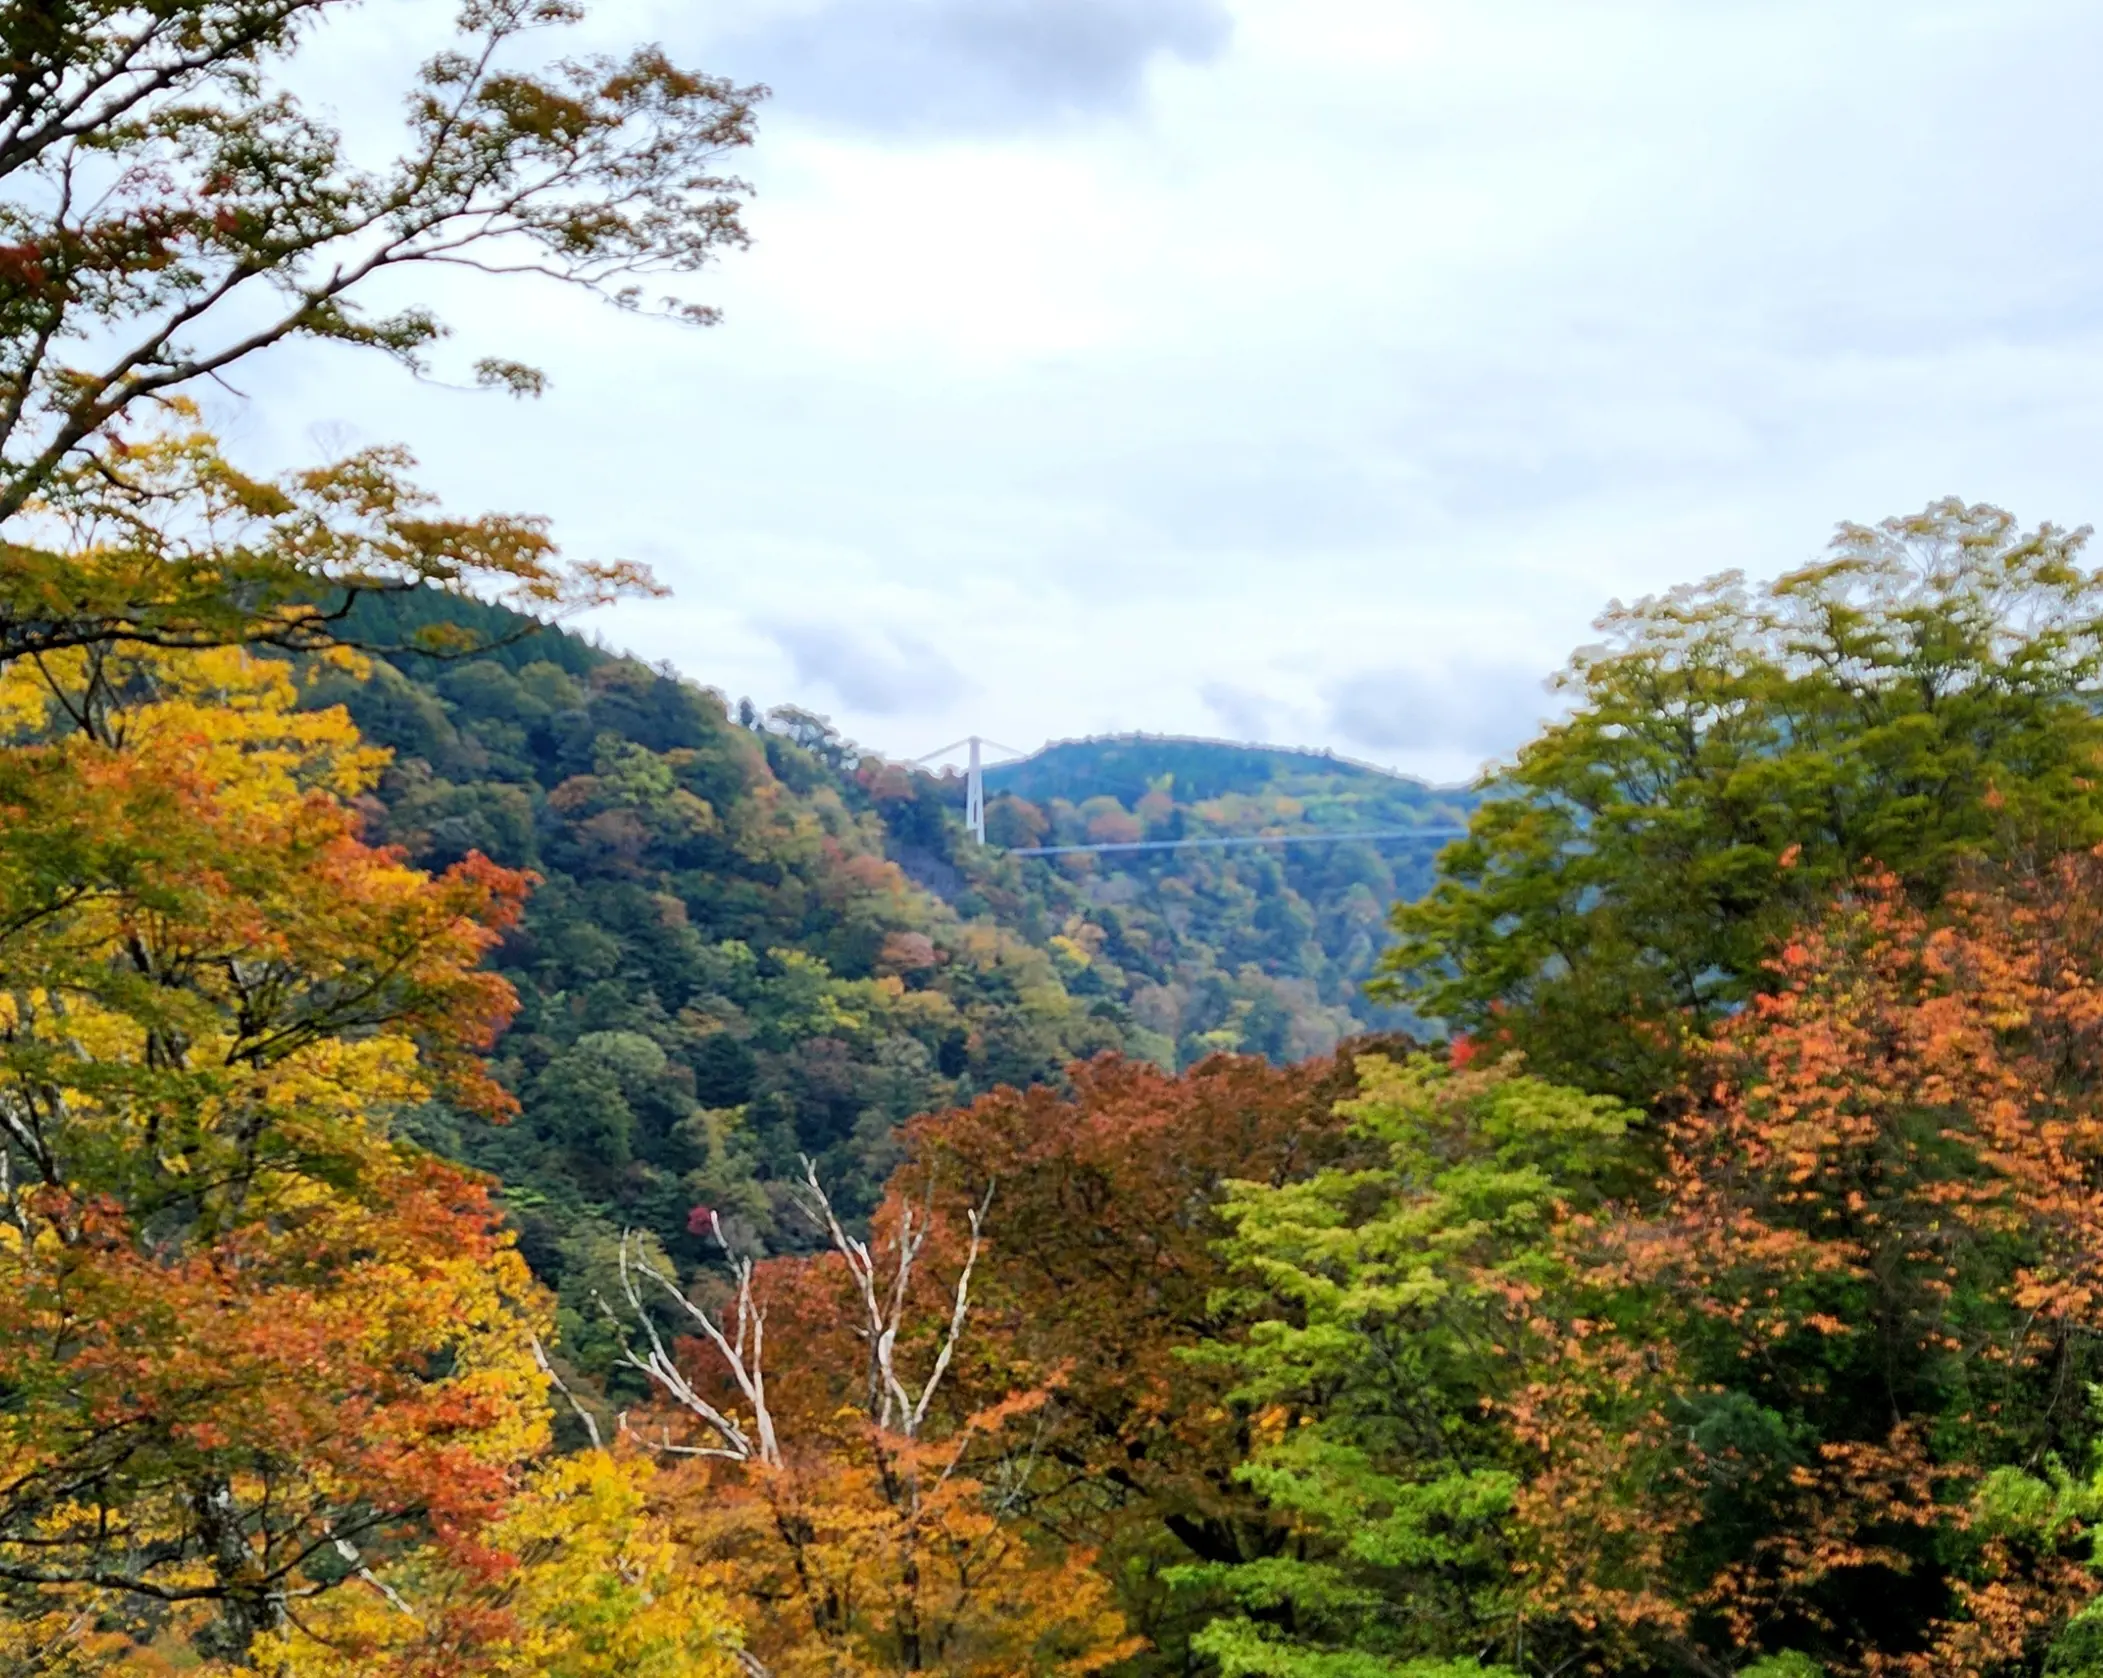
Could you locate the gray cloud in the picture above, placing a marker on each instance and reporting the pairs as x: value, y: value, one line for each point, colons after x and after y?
x: 979, y: 66
x: 878, y: 672
x: 1486, y: 315
x: 1244, y: 714
x: 1480, y: 708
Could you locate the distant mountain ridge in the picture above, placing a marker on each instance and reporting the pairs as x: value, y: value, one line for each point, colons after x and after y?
x: 1127, y: 766
x: 1262, y: 949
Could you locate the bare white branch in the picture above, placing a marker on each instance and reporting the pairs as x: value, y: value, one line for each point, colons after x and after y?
x: 591, y: 1422
x: 349, y: 1552
x: 741, y: 1356
x: 961, y: 1305
x: 888, y: 1402
x: 740, y: 1338
x: 749, y: 1663
x: 891, y: 1403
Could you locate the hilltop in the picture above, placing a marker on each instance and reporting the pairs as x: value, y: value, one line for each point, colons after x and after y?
x: 1128, y: 766
x: 1261, y: 948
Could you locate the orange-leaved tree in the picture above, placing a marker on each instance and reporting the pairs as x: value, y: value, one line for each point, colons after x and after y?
x: 247, y: 1339
x: 1850, y: 1353
x: 860, y: 1518
x: 1107, y: 1275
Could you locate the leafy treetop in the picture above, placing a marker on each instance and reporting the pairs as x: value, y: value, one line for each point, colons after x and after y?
x: 1923, y: 697
x: 169, y: 209
x: 172, y: 208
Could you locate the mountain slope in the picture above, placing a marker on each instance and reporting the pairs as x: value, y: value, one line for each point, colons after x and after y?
x: 721, y: 969
x: 1128, y: 766
x: 1258, y: 948
x: 752, y: 942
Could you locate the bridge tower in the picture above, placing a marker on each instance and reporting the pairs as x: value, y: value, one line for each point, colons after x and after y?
x: 974, y: 777
x: 975, y: 795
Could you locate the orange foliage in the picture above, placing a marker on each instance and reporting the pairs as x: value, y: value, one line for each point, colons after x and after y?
x: 239, y: 1326
x: 884, y: 1538
x: 875, y: 1555
x: 1822, y: 1389
x: 1102, y: 1275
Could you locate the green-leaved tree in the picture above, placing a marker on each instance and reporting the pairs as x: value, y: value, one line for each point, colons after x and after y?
x: 1402, y: 1292
x: 1925, y: 696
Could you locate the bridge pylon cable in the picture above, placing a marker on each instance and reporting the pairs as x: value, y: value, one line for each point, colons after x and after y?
x: 974, y: 778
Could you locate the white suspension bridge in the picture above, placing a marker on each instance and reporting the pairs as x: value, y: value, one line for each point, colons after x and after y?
x: 974, y: 746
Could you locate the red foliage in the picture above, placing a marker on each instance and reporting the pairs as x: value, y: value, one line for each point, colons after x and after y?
x: 1102, y: 1270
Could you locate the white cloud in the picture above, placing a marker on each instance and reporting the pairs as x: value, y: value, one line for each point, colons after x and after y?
x: 875, y: 672
x: 1380, y: 336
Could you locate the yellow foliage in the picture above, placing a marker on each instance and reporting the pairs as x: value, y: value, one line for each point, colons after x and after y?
x: 1073, y: 953
x: 597, y: 1587
x: 235, y: 717
x: 64, y: 1643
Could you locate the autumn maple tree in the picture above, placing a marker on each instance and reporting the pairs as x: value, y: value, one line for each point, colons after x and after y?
x: 243, y: 1333
x: 1871, y: 1294
x: 1801, y: 1382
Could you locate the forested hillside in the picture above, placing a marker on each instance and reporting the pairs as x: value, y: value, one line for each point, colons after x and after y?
x: 1262, y: 949
x: 721, y: 969
x: 750, y: 943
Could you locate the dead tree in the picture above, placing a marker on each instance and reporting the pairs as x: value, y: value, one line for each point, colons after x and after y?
x: 882, y: 1279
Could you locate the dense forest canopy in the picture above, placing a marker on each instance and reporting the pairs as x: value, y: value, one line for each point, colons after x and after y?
x: 1258, y: 948
x: 512, y: 1166
x: 753, y: 942
x: 1925, y: 698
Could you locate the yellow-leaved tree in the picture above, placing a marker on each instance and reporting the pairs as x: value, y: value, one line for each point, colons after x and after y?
x: 261, y: 1356
x: 596, y: 1586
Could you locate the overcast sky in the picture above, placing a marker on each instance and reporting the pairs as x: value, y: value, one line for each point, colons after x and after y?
x: 1300, y: 370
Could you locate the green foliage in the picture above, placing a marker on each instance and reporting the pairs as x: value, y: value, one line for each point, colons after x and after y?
x: 1399, y: 1290
x: 721, y: 969
x: 1257, y: 950
x: 1788, y: 1665
x: 407, y: 621
x: 1924, y: 698
x: 2078, y: 1650
x: 1244, y: 1650
x: 1126, y: 767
